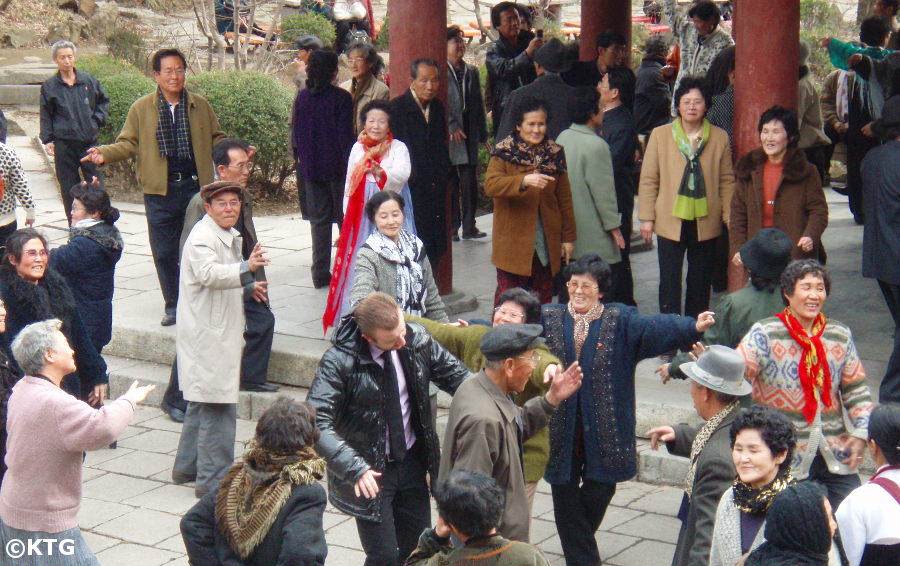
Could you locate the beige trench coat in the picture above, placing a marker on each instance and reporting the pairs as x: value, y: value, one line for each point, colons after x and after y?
x: 209, y: 338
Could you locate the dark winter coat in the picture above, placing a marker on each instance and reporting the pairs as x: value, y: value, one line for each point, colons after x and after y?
x: 881, y: 235
x: 74, y: 112
x: 52, y: 298
x: 508, y: 68
x: 620, y: 132
x: 464, y: 91
x: 296, y: 538
x: 8, y: 377
x: 714, y: 474
x: 652, y: 96
x: 615, y: 343
x: 88, y: 264
x: 347, y: 393
x: 800, y: 207
x: 323, y: 137
x: 430, y: 166
x: 558, y: 96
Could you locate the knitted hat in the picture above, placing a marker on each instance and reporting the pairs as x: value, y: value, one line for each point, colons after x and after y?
x: 797, y: 529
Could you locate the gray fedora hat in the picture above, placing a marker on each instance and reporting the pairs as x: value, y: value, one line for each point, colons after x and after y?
x: 721, y: 369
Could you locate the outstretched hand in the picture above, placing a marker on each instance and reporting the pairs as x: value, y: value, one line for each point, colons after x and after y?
x: 660, y: 433
x: 565, y: 384
x: 705, y: 320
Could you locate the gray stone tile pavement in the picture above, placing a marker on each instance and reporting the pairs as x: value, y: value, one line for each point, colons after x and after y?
x: 130, y: 510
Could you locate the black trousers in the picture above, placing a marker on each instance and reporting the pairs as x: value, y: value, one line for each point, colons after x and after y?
x: 165, y: 219
x: 6, y: 231
x: 578, y: 508
x: 838, y: 486
x: 857, y: 148
x: 324, y: 201
x: 258, y: 336
x: 70, y: 169
x: 890, y: 384
x: 464, y: 184
x: 828, y: 150
x: 405, y: 511
x: 623, y: 282
x: 700, y: 258
x: 301, y: 191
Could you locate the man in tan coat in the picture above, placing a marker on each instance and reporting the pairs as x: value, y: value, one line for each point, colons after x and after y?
x: 170, y: 133
x: 210, y: 339
x: 486, y: 429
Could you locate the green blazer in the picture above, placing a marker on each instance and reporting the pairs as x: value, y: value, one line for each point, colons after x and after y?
x: 593, y: 188
x: 735, y: 314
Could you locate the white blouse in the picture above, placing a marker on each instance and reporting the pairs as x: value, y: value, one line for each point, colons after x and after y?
x: 395, y: 163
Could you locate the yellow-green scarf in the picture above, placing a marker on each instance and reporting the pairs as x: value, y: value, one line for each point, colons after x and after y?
x: 690, y: 203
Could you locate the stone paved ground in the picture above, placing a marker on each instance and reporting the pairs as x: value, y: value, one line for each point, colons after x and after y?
x: 131, y: 511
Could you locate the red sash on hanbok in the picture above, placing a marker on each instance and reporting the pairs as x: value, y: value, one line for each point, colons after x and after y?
x: 346, y: 249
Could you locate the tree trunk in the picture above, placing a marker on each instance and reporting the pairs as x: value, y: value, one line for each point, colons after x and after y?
x: 864, y: 10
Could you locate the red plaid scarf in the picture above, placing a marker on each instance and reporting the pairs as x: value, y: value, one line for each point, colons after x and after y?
x: 815, y: 375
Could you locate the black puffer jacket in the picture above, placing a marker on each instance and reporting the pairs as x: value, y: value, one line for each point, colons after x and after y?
x: 88, y: 264
x: 348, y: 394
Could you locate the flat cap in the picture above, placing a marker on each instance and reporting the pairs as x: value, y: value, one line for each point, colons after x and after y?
x: 207, y: 192
x: 510, y: 340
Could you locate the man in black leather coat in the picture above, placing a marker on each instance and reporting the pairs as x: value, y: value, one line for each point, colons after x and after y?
x: 378, y: 373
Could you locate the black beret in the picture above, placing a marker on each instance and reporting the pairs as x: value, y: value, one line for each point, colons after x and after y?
x: 510, y: 340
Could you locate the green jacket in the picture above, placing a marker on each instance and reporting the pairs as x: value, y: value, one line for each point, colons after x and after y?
x: 492, y: 551
x: 465, y: 344
x: 593, y: 188
x: 138, y: 139
x: 735, y: 314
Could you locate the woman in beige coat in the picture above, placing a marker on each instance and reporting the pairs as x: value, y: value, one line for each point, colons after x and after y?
x: 684, y: 197
x: 364, y: 86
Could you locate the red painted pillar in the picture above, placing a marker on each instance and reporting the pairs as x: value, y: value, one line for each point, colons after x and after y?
x: 419, y: 29
x: 766, y: 72
x: 599, y: 15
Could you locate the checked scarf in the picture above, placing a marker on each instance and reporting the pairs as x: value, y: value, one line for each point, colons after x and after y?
x: 690, y: 203
x: 173, y: 138
x: 815, y: 375
x: 700, y: 442
x: 253, y: 492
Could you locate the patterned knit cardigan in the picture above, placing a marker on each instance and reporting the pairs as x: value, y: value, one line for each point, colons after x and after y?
x: 772, y: 360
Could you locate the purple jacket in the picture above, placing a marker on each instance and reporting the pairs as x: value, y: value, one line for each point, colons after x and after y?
x: 323, y: 133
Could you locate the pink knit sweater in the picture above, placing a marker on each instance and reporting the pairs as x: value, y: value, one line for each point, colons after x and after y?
x: 48, y: 431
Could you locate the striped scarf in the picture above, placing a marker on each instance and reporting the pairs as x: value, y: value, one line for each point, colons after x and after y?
x: 815, y: 375
x: 253, y: 492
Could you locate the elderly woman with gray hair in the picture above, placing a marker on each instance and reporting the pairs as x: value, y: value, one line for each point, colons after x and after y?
x: 48, y: 431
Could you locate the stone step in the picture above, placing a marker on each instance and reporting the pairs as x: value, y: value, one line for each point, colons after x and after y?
x: 20, y: 94
x: 292, y: 362
x: 123, y: 371
x: 26, y: 74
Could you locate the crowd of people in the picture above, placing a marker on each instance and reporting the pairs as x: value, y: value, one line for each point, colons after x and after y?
x: 545, y: 389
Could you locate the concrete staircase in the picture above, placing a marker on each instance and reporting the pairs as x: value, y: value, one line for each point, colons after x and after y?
x: 20, y: 84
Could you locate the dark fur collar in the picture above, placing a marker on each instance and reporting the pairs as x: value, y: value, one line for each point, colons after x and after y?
x: 104, y: 234
x: 51, y: 298
x: 796, y: 167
